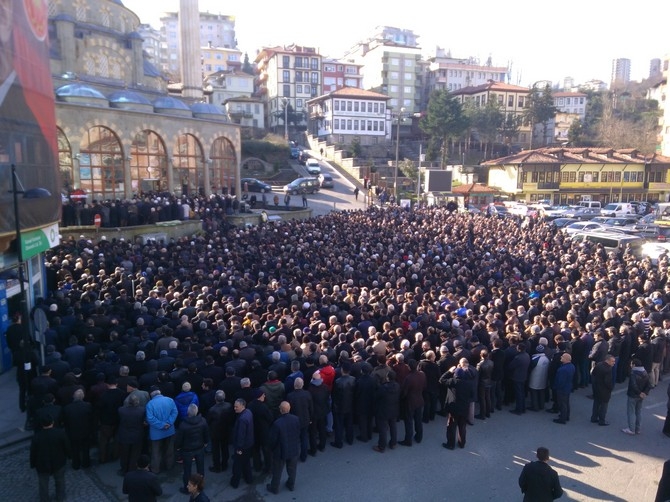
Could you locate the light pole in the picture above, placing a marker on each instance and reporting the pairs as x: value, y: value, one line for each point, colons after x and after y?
x: 285, y: 101
x: 399, y: 117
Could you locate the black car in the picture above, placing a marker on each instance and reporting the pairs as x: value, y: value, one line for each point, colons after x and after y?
x: 254, y: 185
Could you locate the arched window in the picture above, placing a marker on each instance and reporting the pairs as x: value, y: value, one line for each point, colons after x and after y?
x: 187, y: 158
x: 223, y: 169
x: 65, y: 165
x: 148, y: 163
x: 101, y: 164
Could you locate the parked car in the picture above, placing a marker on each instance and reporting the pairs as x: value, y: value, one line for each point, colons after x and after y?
x: 254, y: 185
x: 582, y: 226
x: 623, y: 221
x: 616, y: 209
x: 552, y: 212
x: 300, y: 186
x: 302, y: 158
x: 313, y: 167
x: 562, y: 222
x: 326, y: 180
x: 295, y: 151
x: 655, y: 232
x: 583, y: 213
x: 611, y: 241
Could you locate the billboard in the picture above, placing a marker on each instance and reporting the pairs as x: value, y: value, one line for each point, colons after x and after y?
x: 438, y: 180
x: 27, y: 118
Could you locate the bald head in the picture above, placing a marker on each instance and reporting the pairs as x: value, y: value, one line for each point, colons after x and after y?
x: 284, y: 407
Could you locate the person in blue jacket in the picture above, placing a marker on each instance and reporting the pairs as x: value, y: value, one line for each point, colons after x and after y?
x: 563, y: 387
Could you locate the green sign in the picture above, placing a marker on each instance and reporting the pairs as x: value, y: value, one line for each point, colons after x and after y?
x: 38, y: 241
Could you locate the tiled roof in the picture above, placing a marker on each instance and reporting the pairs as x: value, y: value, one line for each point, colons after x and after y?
x: 562, y: 94
x: 353, y: 92
x: 583, y: 155
x: 491, y: 86
x: 473, y: 188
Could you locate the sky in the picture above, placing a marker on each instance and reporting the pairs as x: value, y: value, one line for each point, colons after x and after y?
x: 539, y: 40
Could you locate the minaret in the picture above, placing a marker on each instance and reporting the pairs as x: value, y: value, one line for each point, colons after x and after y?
x: 189, y: 49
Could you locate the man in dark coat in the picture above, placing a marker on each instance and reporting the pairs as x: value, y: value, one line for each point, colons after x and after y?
x: 461, y: 391
x: 538, y: 481
x: 603, y: 383
x: 321, y: 402
x: 263, y: 418
x: 387, y: 409
x: 563, y: 382
x: 364, y: 396
x: 141, y: 485
x: 220, y: 421
x: 192, y: 438
x: 78, y: 423
x: 411, y: 395
x: 285, y: 445
x: 518, y: 372
x: 130, y: 433
x: 302, y: 406
x: 343, y: 407
x: 243, y: 442
x: 49, y: 451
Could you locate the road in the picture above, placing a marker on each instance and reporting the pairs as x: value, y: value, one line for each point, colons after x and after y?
x: 339, y: 198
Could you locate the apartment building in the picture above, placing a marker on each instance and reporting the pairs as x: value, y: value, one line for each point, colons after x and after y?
x: 216, y: 59
x: 348, y: 113
x: 445, y: 72
x: 660, y: 92
x: 288, y: 77
x: 620, y: 71
x: 216, y: 30
x: 339, y: 73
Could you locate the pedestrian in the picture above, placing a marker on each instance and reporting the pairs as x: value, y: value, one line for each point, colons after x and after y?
x: 275, y: 200
x: 131, y: 433
x: 49, y: 451
x: 666, y: 424
x: 191, y: 439
x: 538, y: 481
x: 304, y: 200
x: 78, y: 424
x: 387, y: 410
x: 285, y: 446
x: 356, y: 193
x: 220, y: 420
x: 460, y: 393
x: 344, y: 388
x: 663, y: 491
x: 161, y: 413
x: 287, y: 200
x: 243, y: 442
x: 602, y: 381
x: 140, y: 484
x: 196, y: 486
x: 639, y: 385
x: 302, y: 406
x: 411, y: 397
x: 517, y: 368
x: 563, y: 381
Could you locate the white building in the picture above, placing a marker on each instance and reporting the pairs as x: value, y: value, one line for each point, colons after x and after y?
x: 660, y: 92
x: 349, y: 113
x: 448, y: 73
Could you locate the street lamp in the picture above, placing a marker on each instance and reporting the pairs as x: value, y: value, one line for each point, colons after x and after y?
x: 399, y: 117
x: 285, y: 101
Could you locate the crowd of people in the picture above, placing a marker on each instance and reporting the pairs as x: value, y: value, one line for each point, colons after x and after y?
x: 353, y: 322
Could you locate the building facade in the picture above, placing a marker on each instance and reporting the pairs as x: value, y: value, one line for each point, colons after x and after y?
x: 452, y: 74
x: 345, y: 114
x: 288, y: 77
x: 338, y: 74
x: 566, y: 176
x: 660, y: 92
x: 215, y: 30
x: 512, y: 100
x: 215, y: 59
x: 620, y: 71
x: 119, y: 133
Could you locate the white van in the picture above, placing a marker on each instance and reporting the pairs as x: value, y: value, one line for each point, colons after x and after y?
x: 616, y: 209
x: 590, y: 203
x: 611, y: 241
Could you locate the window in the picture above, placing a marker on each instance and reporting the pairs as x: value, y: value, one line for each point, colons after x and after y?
x: 287, y: 90
x: 369, y: 107
x: 500, y: 99
x: 409, y: 63
x: 315, y: 78
x: 408, y: 76
x: 369, y: 125
x: 355, y: 125
x: 376, y: 107
x: 286, y: 62
x: 355, y: 106
x: 626, y: 177
x: 408, y: 89
x: 336, y: 105
x: 348, y: 106
x: 572, y: 176
x: 407, y: 103
x: 298, y: 89
x: 568, y: 101
x: 381, y: 108
x: 349, y: 125
x: 336, y: 124
x: 395, y: 62
x: 298, y: 76
x: 510, y: 101
x: 298, y: 62
x: 521, y: 101
x: 315, y: 64
x: 393, y: 88
x: 328, y: 68
x: 375, y: 125
x: 394, y: 75
x: 298, y: 103
x: 286, y: 76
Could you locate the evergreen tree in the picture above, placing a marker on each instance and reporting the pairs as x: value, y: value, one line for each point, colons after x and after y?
x: 444, y: 120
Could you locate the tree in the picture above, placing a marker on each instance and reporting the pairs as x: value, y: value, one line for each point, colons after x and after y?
x: 539, y: 109
x: 486, y: 120
x: 509, y: 129
x: 576, y: 133
x: 444, y: 120
x: 246, y: 66
x: 355, y: 147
